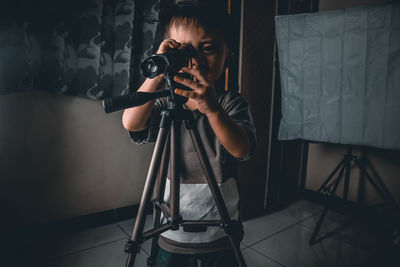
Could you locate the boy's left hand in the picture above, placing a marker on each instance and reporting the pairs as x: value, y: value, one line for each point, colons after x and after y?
x: 203, y: 93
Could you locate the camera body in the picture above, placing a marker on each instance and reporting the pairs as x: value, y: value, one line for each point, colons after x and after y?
x: 168, y: 63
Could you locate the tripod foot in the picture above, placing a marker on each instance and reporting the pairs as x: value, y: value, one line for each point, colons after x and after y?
x: 132, y: 246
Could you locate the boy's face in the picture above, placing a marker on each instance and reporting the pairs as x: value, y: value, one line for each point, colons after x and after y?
x: 210, y: 47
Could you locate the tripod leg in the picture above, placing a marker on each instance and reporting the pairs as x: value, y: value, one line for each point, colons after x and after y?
x: 322, y: 187
x: 325, y: 211
x: 134, y: 243
x: 175, y: 173
x: 159, y: 197
x: 379, y: 186
x: 347, y: 161
x: 219, y: 201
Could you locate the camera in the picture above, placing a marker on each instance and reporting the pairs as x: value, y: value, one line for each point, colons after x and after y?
x: 168, y: 63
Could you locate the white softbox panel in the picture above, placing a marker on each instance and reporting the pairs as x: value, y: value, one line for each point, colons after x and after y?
x: 340, y: 76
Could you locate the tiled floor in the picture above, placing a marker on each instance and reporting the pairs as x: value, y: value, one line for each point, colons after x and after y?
x: 277, y: 239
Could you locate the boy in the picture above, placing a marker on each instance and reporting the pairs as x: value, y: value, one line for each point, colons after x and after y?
x: 225, y: 125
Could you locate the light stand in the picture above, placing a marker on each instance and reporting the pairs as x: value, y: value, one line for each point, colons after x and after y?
x: 330, y: 186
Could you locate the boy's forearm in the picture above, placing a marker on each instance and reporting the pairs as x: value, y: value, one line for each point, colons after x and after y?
x: 134, y: 119
x: 232, y: 136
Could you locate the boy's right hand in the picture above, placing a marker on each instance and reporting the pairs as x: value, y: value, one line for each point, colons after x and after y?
x: 157, y: 83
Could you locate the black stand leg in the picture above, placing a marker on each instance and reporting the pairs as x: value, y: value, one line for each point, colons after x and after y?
x: 329, y: 194
x: 378, y: 185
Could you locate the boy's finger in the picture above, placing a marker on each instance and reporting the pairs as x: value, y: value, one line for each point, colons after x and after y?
x: 166, y: 44
x: 171, y: 41
x: 185, y: 93
x: 196, y: 73
x: 175, y: 43
x: 187, y: 82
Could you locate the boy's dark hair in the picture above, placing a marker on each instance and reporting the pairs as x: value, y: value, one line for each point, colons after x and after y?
x: 212, y: 15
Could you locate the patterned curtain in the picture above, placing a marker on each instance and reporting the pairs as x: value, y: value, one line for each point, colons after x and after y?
x: 87, y: 48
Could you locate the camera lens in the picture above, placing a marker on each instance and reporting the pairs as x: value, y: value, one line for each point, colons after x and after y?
x: 153, y: 66
x: 168, y: 63
x: 153, y: 69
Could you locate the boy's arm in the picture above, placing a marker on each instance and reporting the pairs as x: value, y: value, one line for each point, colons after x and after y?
x: 231, y: 135
x: 135, y: 119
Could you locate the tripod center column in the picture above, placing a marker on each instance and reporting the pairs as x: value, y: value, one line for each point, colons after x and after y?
x: 175, y: 160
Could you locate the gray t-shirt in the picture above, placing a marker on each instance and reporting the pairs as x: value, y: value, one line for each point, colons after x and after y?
x: 196, y: 201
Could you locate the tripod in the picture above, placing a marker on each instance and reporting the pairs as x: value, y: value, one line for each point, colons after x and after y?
x: 168, y: 150
x: 329, y: 187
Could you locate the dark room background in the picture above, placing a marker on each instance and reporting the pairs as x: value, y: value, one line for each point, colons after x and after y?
x: 62, y: 157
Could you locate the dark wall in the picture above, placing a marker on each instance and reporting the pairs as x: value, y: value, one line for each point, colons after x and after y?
x: 256, y: 86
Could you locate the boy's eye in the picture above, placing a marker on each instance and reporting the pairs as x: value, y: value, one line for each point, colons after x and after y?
x: 210, y: 48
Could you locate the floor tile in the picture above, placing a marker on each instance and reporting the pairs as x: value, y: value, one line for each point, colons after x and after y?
x: 291, y: 248
x: 383, y: 257
x: 255, y: 259
x: 260, y: 228
x: 128, y: 225
x: 301, y: 209
x: 357, y: 232
x: 277, y: 239
x: 75, y: 242
x: 332, y: 221
x: 108, y: 255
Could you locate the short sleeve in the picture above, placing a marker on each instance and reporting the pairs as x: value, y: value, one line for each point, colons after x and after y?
x: 236, y: 106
